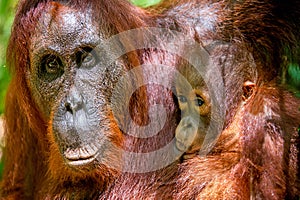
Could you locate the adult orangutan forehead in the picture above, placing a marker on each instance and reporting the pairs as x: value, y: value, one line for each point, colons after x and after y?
x: 60, y: 26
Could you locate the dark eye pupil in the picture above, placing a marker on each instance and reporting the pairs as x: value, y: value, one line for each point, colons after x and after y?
x: 53, y: 64
x: 199, y: 102
x: 51, y: 68
x: 87, y: 57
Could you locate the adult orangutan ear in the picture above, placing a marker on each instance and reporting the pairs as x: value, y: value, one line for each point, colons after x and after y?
x: 248, y: 89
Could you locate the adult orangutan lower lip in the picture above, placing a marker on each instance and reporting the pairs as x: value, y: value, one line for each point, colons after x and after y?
x: 80, y: 156
x: 84, y: 161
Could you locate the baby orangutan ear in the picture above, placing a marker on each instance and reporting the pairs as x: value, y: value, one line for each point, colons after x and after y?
x: 248, y: 89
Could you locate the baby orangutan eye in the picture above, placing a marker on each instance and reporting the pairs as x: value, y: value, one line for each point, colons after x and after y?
x: 199, y: 101
x: 182, y: 99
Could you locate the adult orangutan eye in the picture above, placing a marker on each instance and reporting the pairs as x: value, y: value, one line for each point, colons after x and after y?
x: 51, y: 67
x: 86, y: 57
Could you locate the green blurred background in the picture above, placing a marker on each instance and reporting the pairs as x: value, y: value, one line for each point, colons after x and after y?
x: 6, y: 18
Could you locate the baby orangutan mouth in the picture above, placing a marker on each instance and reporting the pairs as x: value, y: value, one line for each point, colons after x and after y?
x: 181, y: 146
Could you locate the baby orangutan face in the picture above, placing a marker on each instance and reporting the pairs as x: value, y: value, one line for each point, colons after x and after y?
x: 194, y: 103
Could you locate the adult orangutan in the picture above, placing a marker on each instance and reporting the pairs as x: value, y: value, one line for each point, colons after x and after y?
x: 66, y: 137
x: 61, y: 138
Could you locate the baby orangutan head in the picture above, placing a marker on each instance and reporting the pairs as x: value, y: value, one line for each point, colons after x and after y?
x: 195, y: 105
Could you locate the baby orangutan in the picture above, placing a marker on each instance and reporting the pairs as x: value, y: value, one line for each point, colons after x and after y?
x: 195, y: 105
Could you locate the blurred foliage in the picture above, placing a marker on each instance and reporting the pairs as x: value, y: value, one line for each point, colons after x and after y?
x: 293, y: 78
x: 6, y: 19
x: 145, y: 3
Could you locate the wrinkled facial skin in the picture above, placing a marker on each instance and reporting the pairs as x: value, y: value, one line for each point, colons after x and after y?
x: 72, y: 86
x: 194, y: 103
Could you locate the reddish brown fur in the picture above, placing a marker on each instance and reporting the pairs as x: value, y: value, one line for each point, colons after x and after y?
x: 256, y: 155
x: 249, y: 160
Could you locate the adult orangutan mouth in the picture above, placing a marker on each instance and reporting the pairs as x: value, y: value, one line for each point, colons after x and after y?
x: 80, y: 156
